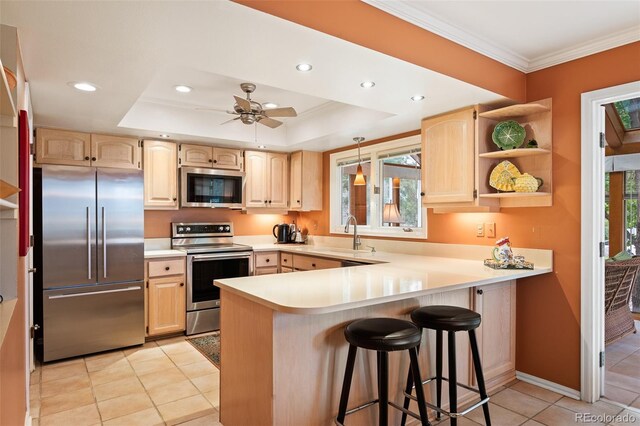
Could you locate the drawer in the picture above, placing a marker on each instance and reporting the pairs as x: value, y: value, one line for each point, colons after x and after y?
x: 286, y: 260
x: 267, y: 259
x: 159, y: 268
x: 285, y: 270
x: 266, y: 271
x: 308, y: 263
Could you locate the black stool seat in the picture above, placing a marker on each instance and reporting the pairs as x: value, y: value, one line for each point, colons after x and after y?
x: 443, y: 317
x: 383, y: 334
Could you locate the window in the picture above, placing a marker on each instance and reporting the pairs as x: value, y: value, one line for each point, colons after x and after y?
x: 390, y: 203
x: 631, y: 212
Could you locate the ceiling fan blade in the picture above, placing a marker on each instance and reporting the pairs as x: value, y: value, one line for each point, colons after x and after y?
x: 244, y: 104
x: 269, y: 122
x: 229, y: 121
x: 281, y: 112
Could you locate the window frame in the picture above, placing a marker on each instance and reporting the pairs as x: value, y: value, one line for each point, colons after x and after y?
x: 372, y: 152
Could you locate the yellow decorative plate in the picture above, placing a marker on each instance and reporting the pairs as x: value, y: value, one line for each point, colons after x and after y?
x: 503, y: 175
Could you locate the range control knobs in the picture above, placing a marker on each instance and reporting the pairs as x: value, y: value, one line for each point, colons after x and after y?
x: 188, y: 229
x: 220, y: 228
x: 227, y: 228
x: 180, y: 229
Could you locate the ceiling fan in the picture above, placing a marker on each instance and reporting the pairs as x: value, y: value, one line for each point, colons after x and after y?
x: 250, y: 112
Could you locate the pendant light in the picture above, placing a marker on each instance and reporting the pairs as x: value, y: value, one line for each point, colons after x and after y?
x: 359, y: 180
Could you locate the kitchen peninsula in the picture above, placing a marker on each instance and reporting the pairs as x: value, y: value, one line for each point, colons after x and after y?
x: 283, y: 348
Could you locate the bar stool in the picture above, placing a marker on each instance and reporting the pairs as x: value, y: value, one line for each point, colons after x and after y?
x: 382, y: 335
x: 450, y: 319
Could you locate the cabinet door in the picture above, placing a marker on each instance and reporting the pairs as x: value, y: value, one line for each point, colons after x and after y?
x: 256, y: 179
x: 167, y: 305
x: 196, y: 155
x: 497, y: 332
x: 225, y: 158
x: 266, y: 271
x: 63, y: 147
x: 296, y: 181
x: 160, y: 175
x: 448, y: 146
x: 278, y: 178
x: 115, y: 151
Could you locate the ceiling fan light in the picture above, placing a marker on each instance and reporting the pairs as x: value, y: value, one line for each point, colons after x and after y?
x: 359, y: 180
x: 304, y: 67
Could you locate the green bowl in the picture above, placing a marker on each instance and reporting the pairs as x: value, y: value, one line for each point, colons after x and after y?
x: 508, y: 134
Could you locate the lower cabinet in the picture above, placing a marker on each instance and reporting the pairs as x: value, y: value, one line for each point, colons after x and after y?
x: 265, y: 263
x: 497, y: 332
x: 311, y: 263
x: 165, y: 296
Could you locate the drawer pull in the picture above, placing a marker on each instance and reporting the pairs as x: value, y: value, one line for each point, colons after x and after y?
x: 479, y: 291
x: 284, y: 260
x: 166, y: 268
x: 181, y: 284
x: 267, y: 260
x: 313, y: 264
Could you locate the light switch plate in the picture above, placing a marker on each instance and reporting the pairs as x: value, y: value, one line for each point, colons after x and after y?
x: 490, y: 228
x: 480, y: 230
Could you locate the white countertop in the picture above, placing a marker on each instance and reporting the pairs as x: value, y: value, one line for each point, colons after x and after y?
x: 393, y: 277
x: 152, y: 254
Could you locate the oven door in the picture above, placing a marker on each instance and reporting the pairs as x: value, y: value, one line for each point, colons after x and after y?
x: 203, y: 269
x: 211, y: 188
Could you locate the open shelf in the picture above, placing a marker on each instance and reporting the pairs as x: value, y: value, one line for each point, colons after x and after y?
x: 515, y: 153
x: 514, y: 111
x: 515, y: 195
x: 7, y: 205
x: 7, y: 107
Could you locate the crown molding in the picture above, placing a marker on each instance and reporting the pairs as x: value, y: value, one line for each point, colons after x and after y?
x: 431, y: 23
x: 405, y: 11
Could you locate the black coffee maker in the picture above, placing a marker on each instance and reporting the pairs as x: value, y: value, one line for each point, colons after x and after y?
x: 282, y: 233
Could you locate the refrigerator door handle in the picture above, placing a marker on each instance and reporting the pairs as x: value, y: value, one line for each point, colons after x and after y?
x: 92, y: 293
x: 104, y: 243
x: 88, y: 244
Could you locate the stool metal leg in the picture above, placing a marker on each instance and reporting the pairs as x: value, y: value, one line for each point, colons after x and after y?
x: 479, y: 375
x: 346, y: 385
x: 383, y: 388
x: 453, y: 394
x: 415, y: 368
x: 407, y: 391
x: 438, y: 371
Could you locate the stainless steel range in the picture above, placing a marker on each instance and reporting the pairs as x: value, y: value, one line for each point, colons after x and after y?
x: 211, y: 255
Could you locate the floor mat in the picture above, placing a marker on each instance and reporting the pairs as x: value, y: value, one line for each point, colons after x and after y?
x: 209, y: 346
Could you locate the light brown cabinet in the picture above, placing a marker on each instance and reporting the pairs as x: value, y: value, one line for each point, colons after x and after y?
x: 266, y: 262
x: 266, y: 180
x: 306, y: 181
x: 83, y: 149
x: 165, y: 296
x: 63, y: 147
x: 160, y: 175
x: 311, y: 263
x: 210, y: 157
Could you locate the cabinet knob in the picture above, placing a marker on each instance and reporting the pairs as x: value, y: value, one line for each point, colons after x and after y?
x: 267, y: 260
x: 210, y: 160
x: 166, y: 268
x: 87, y: 158
x: 93, y: 158
x: 215, y: 161
x: 269, y: 201
x: 175, y: 199
x: 181, y: 284
x: 479, y: 291
x: 313, y: 264
x: 284, y: 260
x: 422, y: 194
x: 298, y: 201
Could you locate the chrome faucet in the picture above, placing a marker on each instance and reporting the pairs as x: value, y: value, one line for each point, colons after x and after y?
x: 356, y: 237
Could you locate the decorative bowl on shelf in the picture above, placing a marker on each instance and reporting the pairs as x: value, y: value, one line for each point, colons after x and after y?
x: 526, y: 183
x: 503, y: 176
x: 508, y: 134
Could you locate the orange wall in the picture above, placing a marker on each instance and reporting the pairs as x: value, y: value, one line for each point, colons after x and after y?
x: 157, y: 223
x: 352, y: 20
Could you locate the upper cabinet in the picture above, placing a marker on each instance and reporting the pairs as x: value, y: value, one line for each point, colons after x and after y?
x: 84, y: 149
x: 459, y: 156
x: 266, y: 180
x: 305, y: 181
x: 210, y: 157
x: 160, y: 175
x: 63, y: 147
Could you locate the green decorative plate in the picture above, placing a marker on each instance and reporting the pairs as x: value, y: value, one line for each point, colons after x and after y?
x: 508, y: 134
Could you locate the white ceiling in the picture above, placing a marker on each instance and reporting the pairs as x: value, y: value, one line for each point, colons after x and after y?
x: 526, y: 35
x: 137, y: 51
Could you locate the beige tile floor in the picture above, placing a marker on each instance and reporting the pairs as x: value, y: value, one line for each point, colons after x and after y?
x: 163, y: 382
x: 170, y: 382
x: 622, y: 377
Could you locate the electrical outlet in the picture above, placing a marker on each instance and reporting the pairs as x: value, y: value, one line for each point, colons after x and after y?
x: 480, y: 230
x: 491, y: 229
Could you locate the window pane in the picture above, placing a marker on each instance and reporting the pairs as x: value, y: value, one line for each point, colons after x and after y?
x: 631, y: 213
x: 629, y: 113
x: 401, y: 186
x: 355, y: 198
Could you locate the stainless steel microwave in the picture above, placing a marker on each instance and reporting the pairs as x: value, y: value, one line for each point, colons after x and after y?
x: 211, y: 188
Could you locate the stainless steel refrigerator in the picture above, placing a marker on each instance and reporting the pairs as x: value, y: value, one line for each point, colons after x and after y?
x: 90, y: 258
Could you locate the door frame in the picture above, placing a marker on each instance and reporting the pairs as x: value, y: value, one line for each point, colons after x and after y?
x: 592, y: 233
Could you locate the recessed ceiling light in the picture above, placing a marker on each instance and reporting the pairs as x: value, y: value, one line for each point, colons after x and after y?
x: 417, y: 98
x: 83, y: 85
x: 269, y: 105
x: 367, y: 84
x: 304, y: 67
x: 183, y: 89
x: 164, y: 136
x: 261, y: 146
